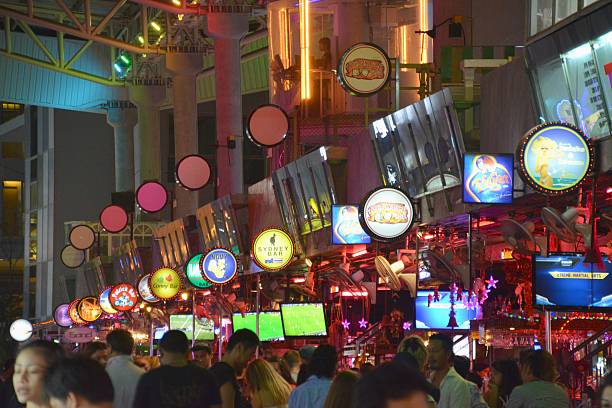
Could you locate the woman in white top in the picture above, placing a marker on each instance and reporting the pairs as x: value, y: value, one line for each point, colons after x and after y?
x: 266, y: 386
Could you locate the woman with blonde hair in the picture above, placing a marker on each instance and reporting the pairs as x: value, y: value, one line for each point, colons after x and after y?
x: 415, y: 346
x: 342, y: 390
x: 266, y: 386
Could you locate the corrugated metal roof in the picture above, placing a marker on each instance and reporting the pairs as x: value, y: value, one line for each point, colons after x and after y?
x: 29, y: 84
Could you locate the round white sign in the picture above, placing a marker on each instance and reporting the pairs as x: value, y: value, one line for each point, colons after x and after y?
x: 386, y: 214
x: 364, y: 69
x: 21, y: 330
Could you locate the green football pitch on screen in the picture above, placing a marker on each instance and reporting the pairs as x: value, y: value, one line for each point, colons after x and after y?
x: 184, y: 323
x: 304, y: 319
x: 270, y: 325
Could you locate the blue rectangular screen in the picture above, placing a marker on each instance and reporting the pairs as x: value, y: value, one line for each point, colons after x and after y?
x: 437, y: 314
x: 346, y: 229
x: 564, y: 280
x: 488, y: 178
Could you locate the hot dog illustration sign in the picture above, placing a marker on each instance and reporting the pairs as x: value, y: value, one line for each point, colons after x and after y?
x: 219, y: 266
x: 386, y: 214
x: 165, y: 283
x: 273, y: 249
x: 364, y: 69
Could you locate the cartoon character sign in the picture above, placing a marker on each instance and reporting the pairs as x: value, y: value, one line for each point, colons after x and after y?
x: 555, y: 157
x: 488, y: 178
x: 346, y: 227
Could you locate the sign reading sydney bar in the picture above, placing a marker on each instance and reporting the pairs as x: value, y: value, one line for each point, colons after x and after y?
x: 386, y: 214
x: 273, y: 249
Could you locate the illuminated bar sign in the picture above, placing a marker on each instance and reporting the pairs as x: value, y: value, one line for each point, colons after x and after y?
x: 194, y: 273
x: 386, y: 214
x: 555, y: 157
x: 89, y: 309
x: 144, y: 290
x: 346, y: 229
x: 364, y: 69
x: 165, y: 283
x: 219, y: 266
x: 123, y: 297
x: 488, y: 178
x: 273, y: 249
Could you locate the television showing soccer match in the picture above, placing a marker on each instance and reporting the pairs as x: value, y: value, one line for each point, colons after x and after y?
x: 566, y: 281
x: 303, y: 319
x: 270, y: 324
x: 204, y: 328
x: 435, y: 314
x: 346, y: 229
x: 488, y: 178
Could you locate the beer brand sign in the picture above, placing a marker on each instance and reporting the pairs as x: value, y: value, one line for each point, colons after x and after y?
x: 386, y: 214
x: 165, y: 283
x: 273, y: 249
x: 364, y: 69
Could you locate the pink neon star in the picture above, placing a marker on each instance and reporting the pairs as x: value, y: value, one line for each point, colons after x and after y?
x: 406, y: 326
x: 491, y: 283
x: 346, y: 324
x: 363, y: 323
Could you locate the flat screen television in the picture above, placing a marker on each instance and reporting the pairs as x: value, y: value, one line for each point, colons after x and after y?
x: 436, y: 315
x: 270, y: 324
x: 346, y: 229
x: 488, y: 178
x: 204, y: 328
x: 563, y: 280
x: 304, y: 319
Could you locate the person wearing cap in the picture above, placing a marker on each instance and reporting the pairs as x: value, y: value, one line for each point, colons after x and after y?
x: 306, y: 353
x: 202, y: 355
x: 176, y: 384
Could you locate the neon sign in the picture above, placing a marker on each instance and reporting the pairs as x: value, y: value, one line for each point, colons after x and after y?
x: 488, y: 178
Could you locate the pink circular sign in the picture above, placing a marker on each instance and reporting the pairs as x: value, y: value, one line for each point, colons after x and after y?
x: 193, y: 172
x: 268, y: 125
x: 151, y: 196
x: 82, y: 237
x: 113, y: 219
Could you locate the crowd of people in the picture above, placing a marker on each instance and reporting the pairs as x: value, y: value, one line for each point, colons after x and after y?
x: 106, y: 375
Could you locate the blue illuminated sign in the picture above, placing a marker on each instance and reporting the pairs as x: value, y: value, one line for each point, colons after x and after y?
x: 488, y: 178
x: 219, y: 266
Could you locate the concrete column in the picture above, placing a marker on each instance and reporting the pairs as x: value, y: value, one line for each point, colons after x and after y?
x: 227, y: 30
x: 184, y: 68
x: 122, y: 116
x: 147, y: 156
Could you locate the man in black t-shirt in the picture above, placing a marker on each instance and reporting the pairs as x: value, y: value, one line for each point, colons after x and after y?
x: 240, y: 350
x: 176, y: 384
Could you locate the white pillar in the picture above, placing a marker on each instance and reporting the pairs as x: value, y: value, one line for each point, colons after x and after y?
x: 184, y: 68
x: 147, y: 153
x: 122, y: 116
x: 227, y: 30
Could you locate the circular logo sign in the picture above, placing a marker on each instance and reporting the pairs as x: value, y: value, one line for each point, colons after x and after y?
x: 194, y: 273
x: 123, y: 297
x: 61, y: 316
x: 268, y: 125
x: 273, y: 249
x: 21, y: 330
x: 554, y: 158
x: 73, y: 313
x: 89, y: 309
x: 144, y: 290
x: 151, y: 196
x: 105, y: 303
x: 364, y: 69
x: 386, y: 214
x: 165, y: 283
x: 193, y: 172
x: 219, y: 266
